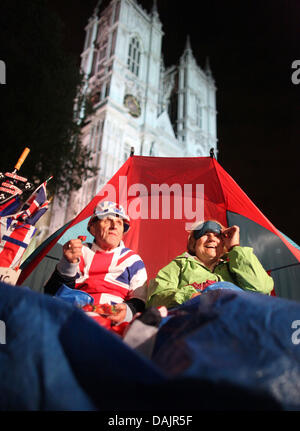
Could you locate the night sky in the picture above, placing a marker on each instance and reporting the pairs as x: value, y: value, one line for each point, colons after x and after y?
x: 251, y: 46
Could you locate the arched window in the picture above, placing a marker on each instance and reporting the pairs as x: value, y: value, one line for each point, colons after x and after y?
x: 134, y: 56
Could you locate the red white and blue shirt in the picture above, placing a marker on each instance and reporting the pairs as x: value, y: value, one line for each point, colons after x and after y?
x: 108, y: 276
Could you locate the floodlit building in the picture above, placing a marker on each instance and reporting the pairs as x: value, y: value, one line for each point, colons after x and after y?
x: 138, y: 103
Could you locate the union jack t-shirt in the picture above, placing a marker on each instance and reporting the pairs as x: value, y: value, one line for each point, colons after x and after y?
x: 108, y: 276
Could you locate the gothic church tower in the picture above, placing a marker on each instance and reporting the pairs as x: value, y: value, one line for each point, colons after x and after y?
x: 137, y: 102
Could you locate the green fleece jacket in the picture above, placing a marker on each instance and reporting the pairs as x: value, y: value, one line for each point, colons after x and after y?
x: 177, y: 282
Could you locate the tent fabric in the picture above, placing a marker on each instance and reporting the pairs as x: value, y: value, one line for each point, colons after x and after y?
x: 244, y: 338
x: 57, y: 358
x: 272, y: 252
x: 160, y: 238
x: 224, y: 350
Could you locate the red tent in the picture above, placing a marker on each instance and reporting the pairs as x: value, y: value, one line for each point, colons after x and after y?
x: 163, y: 197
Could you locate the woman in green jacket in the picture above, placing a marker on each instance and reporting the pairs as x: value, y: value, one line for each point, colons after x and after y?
x: 214, y: 254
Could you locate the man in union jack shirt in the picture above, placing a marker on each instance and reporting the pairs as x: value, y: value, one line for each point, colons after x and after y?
x: 105, y: 269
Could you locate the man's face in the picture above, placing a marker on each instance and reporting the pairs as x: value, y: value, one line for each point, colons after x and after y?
x: 209, y: 247
x: 108, y: 232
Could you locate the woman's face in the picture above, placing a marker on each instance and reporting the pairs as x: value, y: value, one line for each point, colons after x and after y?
x: 209, y: 247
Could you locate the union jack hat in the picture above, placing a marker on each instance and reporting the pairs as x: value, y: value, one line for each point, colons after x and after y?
x: 108, y: 208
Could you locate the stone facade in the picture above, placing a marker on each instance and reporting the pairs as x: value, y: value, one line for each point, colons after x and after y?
x: 137, y: 102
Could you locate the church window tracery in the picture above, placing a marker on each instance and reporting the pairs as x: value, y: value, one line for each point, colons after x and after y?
x: 134, y: 56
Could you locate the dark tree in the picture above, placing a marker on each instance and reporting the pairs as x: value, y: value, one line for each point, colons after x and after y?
x: 37, y: 102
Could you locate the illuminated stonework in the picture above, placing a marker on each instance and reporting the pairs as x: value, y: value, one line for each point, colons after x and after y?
x: 137, y: 101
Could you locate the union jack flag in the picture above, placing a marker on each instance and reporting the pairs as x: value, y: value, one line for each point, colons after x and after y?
x: 10, y: 207
x: 17, y: 228
x: 111, y: 277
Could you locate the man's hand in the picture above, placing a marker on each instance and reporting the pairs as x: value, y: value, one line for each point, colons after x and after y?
x: 231, y: 236
x: 72, y: 250
x: 119, y: 314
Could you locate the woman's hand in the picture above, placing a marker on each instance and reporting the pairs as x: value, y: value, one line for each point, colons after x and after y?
x: 231, y: 237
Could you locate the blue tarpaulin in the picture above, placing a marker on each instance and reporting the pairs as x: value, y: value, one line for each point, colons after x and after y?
x: 222, y: 350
